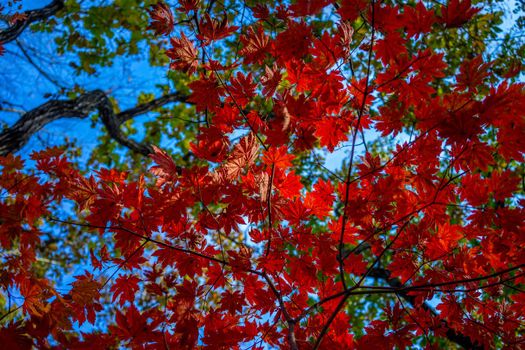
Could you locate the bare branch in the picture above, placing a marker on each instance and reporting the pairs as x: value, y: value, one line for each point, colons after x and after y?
x: 37, y: 67
x: 14, y: 138
x: 149, y: 106
x: 12, y: 32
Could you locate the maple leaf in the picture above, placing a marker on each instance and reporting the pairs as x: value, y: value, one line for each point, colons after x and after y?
x: 212, y: 30
x: 457, y: 12
x: 288, y: 184
x: 166, y: 170
x: 386, y: 17
x: 162, y: 18
x: 188, y: 5
x: 255, y: 45
x: 243, y: 155
x: 183, y: 54
x: 247, y: 149
x: 445, y: 239
x: 308, y: 7
x: 242, y: 89
x: 260, y: 11
x: 320, y: 200
x: 295, y: 212
x: 503, y: 184
x: 472, y: 73
x: 85, y: 293
x: 165, y: 257
x: 329, y: 49
x: 293, y: 42
x: 17, y: 17
x: 15, y: 336
x: 35, y: 293
x: 391, y: 47
x: 402, y: 267
x: 206, y: 93
x: 474, y: 189
x: 350, y: 10
x: 278, y: 156
x: 84, y: 191
x: 112, y: 175
x: 331, y: 131
x: 124, y: 288
x: 134, y: 326
x: 271, y: 80
x: 211, y: 145
x: 232, y: 302
x: 418, y: 19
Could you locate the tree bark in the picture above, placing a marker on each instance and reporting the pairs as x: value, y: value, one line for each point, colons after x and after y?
x: 14, y: 138
x: 12, y: 32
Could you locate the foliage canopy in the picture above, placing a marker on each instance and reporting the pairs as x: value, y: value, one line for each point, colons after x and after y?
x: 249, y: 233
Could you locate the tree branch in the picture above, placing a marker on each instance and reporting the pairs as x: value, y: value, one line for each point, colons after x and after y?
x: 14, y: 138
x: 37, y: 67
x: 155, y: 241
x: 149, y: 106
x: 452, y: 335
x: 12, y: 32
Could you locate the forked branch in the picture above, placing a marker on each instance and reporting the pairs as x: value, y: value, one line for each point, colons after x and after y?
x: 12, y: 32
x: 14, y: 138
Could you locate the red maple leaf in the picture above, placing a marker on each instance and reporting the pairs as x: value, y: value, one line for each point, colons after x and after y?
x: 242, y: 89
x: 206, y: 93
x: 255, y: 45
x: 188, y: 5
x: 243, y: 155
x: 418, y: 19
x: 321, y: 199
x: 391, y: 48
x: 350, y: 10
x: 472, y: 73
x: 166, y: 171
x: 308, y: 7
x: 332, y: 131
x: 211, y: 145
x: 211, y: 29
x: 457, y: 12
x: 85, y: 295
x: 162, y: 18
x: 293, y: 42
x: 136, y: 327
x: 124, y: 288
x: 15, y: 336
x: 17, y: 17
x: 183, y: 54
x: 271, y: 80
x: 278, y: 156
